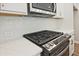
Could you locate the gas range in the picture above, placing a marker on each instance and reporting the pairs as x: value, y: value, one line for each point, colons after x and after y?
x: 49, y: 41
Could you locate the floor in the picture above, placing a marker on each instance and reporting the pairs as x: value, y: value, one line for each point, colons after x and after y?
x: 76, y: 52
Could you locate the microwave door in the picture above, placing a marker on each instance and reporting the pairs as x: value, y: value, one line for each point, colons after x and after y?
x: 41, y: 9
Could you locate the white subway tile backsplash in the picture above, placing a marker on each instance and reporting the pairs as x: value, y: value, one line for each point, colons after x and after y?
x: 14, y: 27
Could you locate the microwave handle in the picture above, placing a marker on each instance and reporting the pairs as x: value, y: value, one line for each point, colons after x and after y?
x: 55, y: 7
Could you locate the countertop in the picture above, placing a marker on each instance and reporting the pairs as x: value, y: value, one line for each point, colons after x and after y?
x: 19, y: 47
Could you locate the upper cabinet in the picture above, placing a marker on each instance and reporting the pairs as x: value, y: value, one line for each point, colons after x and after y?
x: 13, y: 8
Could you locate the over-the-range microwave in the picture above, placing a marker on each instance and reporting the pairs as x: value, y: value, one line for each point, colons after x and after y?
x: 41, y: 9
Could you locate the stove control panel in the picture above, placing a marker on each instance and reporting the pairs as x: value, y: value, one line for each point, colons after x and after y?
x: 50, y: 45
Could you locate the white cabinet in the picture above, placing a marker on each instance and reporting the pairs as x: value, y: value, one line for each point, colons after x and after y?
x: 14, y: 8
x: 71, y: 45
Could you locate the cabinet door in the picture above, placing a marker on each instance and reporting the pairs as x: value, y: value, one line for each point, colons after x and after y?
x: 14, y: 7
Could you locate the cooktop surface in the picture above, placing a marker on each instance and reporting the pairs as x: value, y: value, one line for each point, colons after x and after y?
x: 42, y: 37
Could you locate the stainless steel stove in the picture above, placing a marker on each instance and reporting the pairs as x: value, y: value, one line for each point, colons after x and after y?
x: 53, y: 43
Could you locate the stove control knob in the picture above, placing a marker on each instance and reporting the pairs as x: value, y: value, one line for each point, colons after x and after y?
x: 46, y: 46
x: 50, y: 44
x: 66, y: 36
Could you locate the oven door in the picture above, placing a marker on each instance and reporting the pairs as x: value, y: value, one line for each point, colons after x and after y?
x: 65, y: 52
x: 61, y: 49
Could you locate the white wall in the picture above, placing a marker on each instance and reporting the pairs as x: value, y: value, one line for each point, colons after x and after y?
x: 14, y: 27
x: 67, y: 22
x: 76, y: 23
